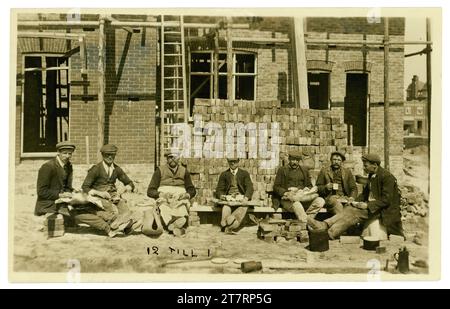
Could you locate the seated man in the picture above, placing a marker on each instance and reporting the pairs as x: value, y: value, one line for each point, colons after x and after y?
x: 172, y: 186
x: 55, y: 181
x: 294, y: 177
x: 234, y: 181
x: 336, y: 182
x: 380, y: 199
x: 101, y: 181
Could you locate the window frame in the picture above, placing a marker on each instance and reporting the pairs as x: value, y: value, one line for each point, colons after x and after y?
x: 234, y: 73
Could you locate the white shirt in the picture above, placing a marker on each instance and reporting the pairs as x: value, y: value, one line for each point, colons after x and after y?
x: 109, y: 169
x: 234, y: 172
x: 59, y: 161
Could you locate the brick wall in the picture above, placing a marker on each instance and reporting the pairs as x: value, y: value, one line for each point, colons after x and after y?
x: 346, y: 56
x: 312, y: 132
x: 274, y: 76
x: 130, y: 97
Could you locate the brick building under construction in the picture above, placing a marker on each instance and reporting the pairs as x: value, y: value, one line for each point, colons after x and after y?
x: 124, y: 79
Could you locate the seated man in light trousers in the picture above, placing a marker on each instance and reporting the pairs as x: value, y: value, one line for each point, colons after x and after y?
x: 171, y: 185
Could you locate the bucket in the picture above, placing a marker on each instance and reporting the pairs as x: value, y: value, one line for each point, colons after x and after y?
x: 318, y: 240
x: 371, y: 243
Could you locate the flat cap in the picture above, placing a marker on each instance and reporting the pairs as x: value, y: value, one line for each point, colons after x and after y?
x: 233, y: 159
x: 371, y: 157
x: 295, y: 155
x: 339, y: 153
x: 109, y: 148
x: 171, y: 153
x: 65, y: 145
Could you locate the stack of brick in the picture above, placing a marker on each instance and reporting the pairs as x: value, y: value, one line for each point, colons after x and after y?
x: 315, y: 133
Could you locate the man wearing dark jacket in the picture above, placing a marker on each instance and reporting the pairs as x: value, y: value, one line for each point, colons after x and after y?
x: 101, y: 180
x: 295, y: 176
x: 380, y: 199
x: 335, y: 182
x: 55, y: 181
x: 234, y: 181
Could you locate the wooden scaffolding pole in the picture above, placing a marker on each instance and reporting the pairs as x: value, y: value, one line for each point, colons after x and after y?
x: 229, y: 60
x: 101, y: 88
x: 428, y: 26
x: 300, y: 70
x: 386, y: 93
x: 216, y: 64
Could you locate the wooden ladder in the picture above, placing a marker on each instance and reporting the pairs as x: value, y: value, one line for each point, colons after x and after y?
x: 174, y: 107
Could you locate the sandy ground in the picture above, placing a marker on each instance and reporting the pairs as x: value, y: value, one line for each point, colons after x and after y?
x: 196, y: 251
x: 191, y: 253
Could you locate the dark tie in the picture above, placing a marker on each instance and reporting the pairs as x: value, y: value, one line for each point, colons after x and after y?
x: 366, y: 190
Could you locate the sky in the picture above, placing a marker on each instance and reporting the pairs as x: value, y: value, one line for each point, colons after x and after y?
x: 415, y: 30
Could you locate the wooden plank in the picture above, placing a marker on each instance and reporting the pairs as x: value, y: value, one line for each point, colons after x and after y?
x: 260, y: 209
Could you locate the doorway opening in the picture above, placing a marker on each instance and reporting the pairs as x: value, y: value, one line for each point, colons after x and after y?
x: 45, y: 103
x: 355, y: 107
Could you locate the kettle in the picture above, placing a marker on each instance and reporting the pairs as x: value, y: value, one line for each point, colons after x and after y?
x: 402, y: 258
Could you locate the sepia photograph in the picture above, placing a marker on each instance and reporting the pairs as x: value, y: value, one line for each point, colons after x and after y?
x: 282, y: 144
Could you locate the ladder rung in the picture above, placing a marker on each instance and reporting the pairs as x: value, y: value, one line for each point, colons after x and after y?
x: 179, y: 100
x: 172, y: 32
x: 173, y: 66
x: 172, y: 43
x: 174, y: 113
x: 173, y: 89
x: 172, y: 136
x: 172, y: 55
x: 173, y: 77
x: 172, y: 124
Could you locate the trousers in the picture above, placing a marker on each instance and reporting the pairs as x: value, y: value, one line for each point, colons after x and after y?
x: 98, y: 219
x: 333, y: 205
x: 340, y: 223
x: 302, y: 210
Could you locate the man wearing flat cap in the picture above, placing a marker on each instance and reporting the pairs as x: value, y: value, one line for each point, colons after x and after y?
x: 101, y: 180
x: 171, y: 185
x: 380, y: 199
x: 295, y: 177
x: 234, y: 181
x: 336, y: 182
x: 55, y: 181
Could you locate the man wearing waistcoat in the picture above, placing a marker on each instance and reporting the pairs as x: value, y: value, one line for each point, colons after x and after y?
x: 295, y: 176
x: 335, y: 182
x: 380, y: 199
x: 174, y: 180
x: 55, y: 181
x: 234, y: 181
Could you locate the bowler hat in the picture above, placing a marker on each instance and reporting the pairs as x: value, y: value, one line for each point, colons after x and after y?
x: 65, y: 145
x: 371, y: 157
x: 339, y: 153
x: 109, y: 148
